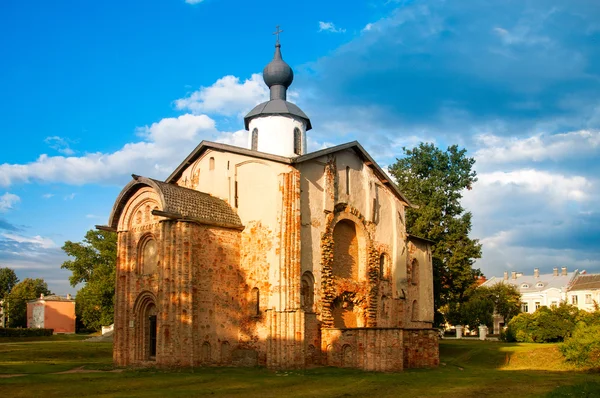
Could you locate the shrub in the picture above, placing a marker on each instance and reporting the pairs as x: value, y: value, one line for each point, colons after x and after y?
x: 25, y: 332
x: 546, y: 325
x: 583, y: 348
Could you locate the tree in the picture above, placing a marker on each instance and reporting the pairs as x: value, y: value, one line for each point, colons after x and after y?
x: 506, y: 299
x: 435, y: 180
x: 28, y: 289
x: 8, y: 279
x: 478, y: 310
x: 94, y: 264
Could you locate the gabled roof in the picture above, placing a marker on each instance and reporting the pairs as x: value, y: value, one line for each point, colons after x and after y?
x: 586, y: 282
x: 354, y: 145
x: 178, y: 202
x: 206, y: 145
x: 365, y: 157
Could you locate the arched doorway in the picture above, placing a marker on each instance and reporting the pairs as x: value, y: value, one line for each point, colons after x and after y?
x: 147, y: 326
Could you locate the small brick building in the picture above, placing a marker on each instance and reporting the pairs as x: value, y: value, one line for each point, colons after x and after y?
x: 52, y: 312
x: 269, y: 255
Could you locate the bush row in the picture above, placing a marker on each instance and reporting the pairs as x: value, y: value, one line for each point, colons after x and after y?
x: 25, y: 332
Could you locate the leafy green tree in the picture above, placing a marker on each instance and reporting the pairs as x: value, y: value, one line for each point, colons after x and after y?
x: 435, y: 180
x: 8, y: 279
x: 506, y: 298
x: 94, y: 264
x: 28, y: 289
x: 478, y: 310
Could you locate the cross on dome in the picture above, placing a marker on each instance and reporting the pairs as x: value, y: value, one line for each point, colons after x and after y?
x: 277, y: 32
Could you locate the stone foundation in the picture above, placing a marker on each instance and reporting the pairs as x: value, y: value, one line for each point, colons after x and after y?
x: 380, y: 349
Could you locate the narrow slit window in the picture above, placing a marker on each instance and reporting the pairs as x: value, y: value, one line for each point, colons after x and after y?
x: 347, y: 180
x: 211, y: 163
x: 297, y: 141
x: 254, y: 145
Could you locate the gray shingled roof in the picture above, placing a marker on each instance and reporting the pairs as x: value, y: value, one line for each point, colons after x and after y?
x: 586, y: 282
x: 547, y: 281
x: 276, y: 107
x: 179, y: 202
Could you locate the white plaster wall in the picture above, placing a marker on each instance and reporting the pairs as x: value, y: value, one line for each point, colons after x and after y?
x: 276, y: 134
x: 581, y: 304
x: 258, y: 198
x: 544, y: 297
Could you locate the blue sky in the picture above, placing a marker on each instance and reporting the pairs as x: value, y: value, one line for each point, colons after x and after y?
x: 95, y: 91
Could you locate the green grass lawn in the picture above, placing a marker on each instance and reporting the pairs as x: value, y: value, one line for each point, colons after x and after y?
x: 468, y: 369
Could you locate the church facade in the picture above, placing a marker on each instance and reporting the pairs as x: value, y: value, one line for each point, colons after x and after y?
x: 269, y: 255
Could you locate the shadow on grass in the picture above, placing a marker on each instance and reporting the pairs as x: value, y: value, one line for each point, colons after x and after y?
x: 468, y: 369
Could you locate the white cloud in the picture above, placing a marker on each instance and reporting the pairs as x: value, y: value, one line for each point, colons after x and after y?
x: 70, y: 196
x: 226, y: 97
x: 60, y: 144
x: 194, y: 1
x: 45, y: 243
x: 329, y: 27
x: 8, y: 200
x: 367, y: 27
x: 47, y: 195
x: 539, y: 147
x: 167, y: 142
x: 553, y: 186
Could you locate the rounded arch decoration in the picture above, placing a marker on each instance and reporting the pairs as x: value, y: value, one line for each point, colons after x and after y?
x: 147, y: 255
x: 340, y: 293
x: 138, y: 210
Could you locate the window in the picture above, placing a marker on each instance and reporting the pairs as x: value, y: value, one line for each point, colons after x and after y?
x: 537, y: 305
x: 524, y: 285
x: 540, y: 284
x: 347, y: 180
x: 574, y: 300
x: 211, y: 163
x: 524, y: 307
x: 588, y: 299
x: 255, y: 302
x: 414, y: 272
x: 554, y: 304
x: 383, y: 272
x: 254, y: 144
x: 297, y: 141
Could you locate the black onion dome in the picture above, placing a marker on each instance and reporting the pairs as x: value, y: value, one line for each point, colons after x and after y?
x: 277, y: 72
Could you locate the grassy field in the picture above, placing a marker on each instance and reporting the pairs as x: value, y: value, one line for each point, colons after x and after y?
x: 468, y: 369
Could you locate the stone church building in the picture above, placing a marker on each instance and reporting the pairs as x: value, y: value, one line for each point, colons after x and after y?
x: 270, y: 255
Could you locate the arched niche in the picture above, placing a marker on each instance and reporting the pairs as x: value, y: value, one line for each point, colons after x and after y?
x: 414, y: 313
x: 350, y: 247
x: 345, y: 251
x: 385, y: 268
x: 148, y: 255
x: 307, y: 292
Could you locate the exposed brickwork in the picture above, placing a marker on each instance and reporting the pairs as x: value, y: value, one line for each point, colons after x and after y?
x: 223, y: 293
x: 421, y: 348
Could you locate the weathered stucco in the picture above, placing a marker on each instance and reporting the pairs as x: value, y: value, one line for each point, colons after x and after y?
x: 320, y: 272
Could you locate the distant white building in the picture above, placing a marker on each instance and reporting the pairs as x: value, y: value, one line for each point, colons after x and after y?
x: 536, y: 290
x: 584, y: 292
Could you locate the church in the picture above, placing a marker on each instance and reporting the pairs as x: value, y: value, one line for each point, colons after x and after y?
x: 271, y: 255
